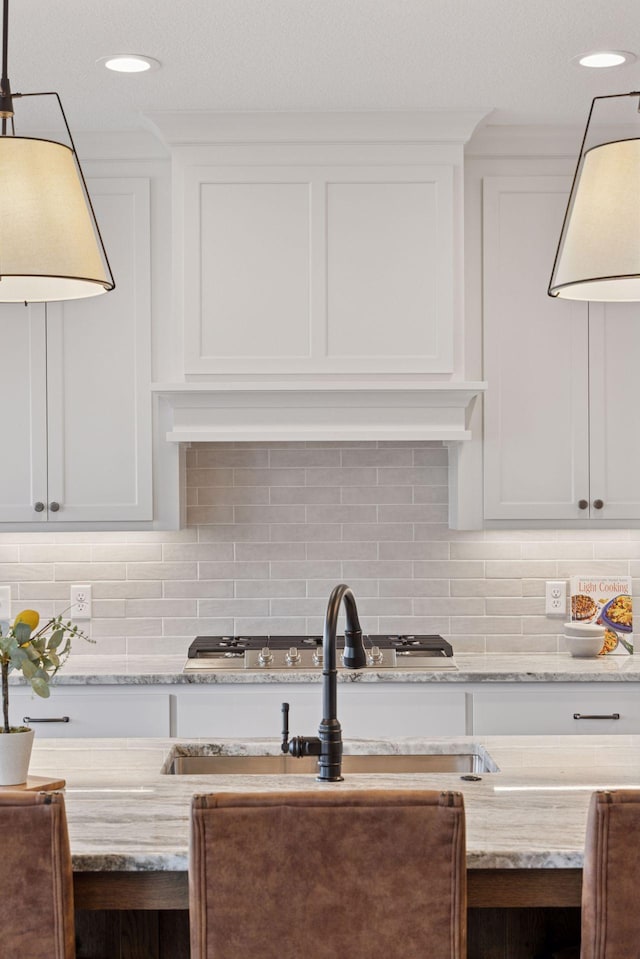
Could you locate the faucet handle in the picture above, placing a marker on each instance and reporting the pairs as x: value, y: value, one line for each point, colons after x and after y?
x: 300, y: 745
x: 284, y: 746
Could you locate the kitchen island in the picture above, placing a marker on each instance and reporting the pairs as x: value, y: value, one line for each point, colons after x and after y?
x: 128, y: 820
x: 126, y: 814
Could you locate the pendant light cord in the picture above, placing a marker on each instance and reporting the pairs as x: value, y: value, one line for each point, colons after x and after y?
x: 4, y: 83
x: 5, y: 41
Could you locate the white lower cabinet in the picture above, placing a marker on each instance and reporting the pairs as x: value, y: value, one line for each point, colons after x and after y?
x: 365, y: 711
x: 77, y: 713
x: 563, y: 708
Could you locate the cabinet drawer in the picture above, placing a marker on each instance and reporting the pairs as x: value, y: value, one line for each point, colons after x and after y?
x: 92, y: 714
x: 564, y: 709
x: 365, y: 711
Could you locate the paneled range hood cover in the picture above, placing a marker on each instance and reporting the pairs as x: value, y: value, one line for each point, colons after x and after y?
x: 369, y: 365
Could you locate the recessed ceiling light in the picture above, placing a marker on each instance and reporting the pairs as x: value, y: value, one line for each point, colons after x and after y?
x: 129, y: 63
x: 604, y: 58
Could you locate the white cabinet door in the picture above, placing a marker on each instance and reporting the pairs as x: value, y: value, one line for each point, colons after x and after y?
x: 536, y: 441
x: 318, y: 269
x: 365, y: 711
x: 99, y: 356
x: 614, y: 355
x: 75, y: 386
x: 76, y: 713
x: 550, y: 709
x: 23, y: 413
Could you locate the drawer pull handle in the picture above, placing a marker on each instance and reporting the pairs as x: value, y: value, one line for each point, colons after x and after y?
x: 610, y: 716
x: 53, y: 719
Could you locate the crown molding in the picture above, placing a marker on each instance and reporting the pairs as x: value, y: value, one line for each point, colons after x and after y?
x: 183, y: 128
x: 502, y: 140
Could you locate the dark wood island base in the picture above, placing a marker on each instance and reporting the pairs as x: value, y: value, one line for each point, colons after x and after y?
x: 513, y: 913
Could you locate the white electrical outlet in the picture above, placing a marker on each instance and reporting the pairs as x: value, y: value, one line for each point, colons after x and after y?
x: 80, y: 602
x: 555, y: 598
x: 5, y: 605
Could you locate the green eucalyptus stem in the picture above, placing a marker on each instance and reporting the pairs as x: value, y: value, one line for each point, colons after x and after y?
x: 5, y: 696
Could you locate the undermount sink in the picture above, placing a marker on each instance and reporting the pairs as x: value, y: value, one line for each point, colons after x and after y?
x: 473, y: 759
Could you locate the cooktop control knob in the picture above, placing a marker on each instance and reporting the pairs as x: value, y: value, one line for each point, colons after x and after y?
x: 292, y: 657
x: 375, y: 656
x: 318, y: 658
x: 265, y: 656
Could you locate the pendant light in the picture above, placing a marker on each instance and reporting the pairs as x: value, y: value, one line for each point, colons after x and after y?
x: 598, y: 256
x: 50, y: 244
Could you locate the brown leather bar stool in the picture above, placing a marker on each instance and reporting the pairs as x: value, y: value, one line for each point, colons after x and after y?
x: 36, y: 880
x: 328, y: 874
x: 610, y: 911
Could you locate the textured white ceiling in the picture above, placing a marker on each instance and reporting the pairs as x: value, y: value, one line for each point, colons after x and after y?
x: 509, y: 56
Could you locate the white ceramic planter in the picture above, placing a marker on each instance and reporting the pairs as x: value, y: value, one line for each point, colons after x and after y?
x: 15, y: 753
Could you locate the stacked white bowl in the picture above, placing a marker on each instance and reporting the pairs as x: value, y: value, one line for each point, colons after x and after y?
x: 584, y: 639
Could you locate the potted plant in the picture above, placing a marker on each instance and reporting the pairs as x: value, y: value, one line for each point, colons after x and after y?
x: 38, y: 653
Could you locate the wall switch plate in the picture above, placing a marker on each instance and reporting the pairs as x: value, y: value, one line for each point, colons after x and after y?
x: 80, y: 602
x: 5, y: 607
x: 555, y: 598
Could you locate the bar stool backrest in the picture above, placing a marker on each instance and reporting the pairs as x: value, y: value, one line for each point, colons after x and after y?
x: 374, y: 874
x: 36, y: 882
x: 611, y: 877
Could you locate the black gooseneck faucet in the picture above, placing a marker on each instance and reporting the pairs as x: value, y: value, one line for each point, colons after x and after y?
x: 327, y: 745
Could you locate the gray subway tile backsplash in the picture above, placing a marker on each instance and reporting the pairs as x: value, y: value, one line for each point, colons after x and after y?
x: 272, y: 527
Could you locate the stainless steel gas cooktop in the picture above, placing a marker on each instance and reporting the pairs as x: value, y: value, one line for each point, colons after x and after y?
x: 281, y: 653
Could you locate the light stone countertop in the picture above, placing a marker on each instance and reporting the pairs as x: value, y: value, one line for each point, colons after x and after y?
x: 472, y: 668
x: 125, y: 815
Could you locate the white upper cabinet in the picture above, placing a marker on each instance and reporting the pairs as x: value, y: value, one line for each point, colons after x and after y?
x: 559, y: 436
x: 75, y: 386
x: 614, y: 385
x: 536, y: 437
x: 318, y: 269
x: 23, y: 413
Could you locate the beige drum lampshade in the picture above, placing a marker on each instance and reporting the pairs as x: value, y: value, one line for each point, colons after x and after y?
x: 599, y: 253
x: 49, y: 246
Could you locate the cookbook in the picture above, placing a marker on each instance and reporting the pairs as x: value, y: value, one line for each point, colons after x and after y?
x: 605, y: 600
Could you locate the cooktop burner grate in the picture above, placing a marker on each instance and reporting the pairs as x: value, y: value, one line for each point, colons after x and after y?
x: 388, y: 651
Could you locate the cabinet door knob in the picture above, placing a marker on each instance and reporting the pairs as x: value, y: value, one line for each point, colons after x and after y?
x: 38, y: 507
x: 598, y: 504
x: 54, y: 507
x: 583, y: 503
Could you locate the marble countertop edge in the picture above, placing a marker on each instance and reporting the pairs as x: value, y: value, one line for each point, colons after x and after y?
x: 96, y: 670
